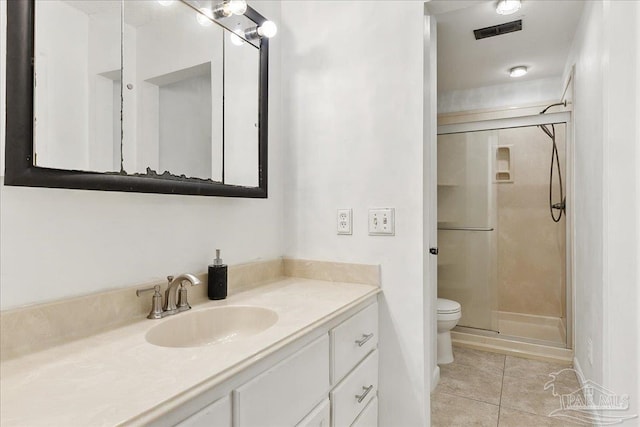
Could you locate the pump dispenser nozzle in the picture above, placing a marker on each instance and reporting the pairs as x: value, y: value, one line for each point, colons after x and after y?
x: 218, y: 260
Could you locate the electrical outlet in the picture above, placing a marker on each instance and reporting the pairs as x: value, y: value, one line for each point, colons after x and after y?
x: 345, y: 221
x: 382, y: 222
x: 590, y: 351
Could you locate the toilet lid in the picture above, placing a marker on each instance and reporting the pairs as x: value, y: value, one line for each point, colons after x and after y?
x: 448, y: 306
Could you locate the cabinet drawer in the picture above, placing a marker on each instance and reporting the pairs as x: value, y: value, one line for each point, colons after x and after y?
x: 218, y: 414
x: 352, y: 340
x: 353, y: 394
x: 369, y: 416
x: 285, y: 393
x: 319, y: 417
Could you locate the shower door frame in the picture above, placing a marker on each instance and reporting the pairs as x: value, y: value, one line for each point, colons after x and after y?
x: 563, y: 117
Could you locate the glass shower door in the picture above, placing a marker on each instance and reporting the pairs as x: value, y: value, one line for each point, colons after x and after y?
x: 467, y: 231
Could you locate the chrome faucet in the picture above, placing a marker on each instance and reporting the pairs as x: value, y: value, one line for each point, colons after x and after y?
x: 175, y: 297
x: 174, y: 303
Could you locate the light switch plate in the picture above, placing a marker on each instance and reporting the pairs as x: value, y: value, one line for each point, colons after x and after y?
x: 345, y: 221
x: 382, y: 222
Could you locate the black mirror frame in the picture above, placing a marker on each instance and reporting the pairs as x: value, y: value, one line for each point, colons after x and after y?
x: 19, y: 168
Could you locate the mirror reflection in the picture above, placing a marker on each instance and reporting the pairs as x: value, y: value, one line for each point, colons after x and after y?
x: 145, y: 87
x: 77, y: 85
x: 173, y: 95
x: 241, y: 125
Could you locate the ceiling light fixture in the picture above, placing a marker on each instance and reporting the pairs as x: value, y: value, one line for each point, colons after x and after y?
x: 518, y: 71
x: 268, y: 29
x: 165, y: 2
x: 507, y: 7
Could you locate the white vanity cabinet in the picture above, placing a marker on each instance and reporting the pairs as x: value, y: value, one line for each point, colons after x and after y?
x: 218, y: 414
x: 352, y: 340
x: 319, y: 417
x: 331, y: 381
x: 286, y: 393
x: 369, y: 415
x: 354, y: 366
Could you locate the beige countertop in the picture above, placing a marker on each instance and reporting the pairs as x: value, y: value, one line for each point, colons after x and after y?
x: 113, y: 377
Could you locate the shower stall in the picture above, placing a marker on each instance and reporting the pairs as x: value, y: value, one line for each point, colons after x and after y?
x: 502, y: 255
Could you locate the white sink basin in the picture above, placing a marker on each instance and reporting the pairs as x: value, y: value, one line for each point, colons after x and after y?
x: 211, y: 326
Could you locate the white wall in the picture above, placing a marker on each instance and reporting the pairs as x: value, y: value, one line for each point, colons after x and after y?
x: 503, y: 95
x: 621, y: 346
x: 241, y: 113
x: 353, y: 117
x: 606, y: 52
x: 61, y: 106
x: 104, y: 90
x: 159, y: 58
x: 185, y: 116
x: 58, y: 243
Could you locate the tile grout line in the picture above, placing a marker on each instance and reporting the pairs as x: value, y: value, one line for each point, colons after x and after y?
x: 504, y: 370
x: 465, y: 397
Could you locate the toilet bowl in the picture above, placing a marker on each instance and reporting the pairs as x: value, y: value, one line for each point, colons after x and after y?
x: 449, y: 312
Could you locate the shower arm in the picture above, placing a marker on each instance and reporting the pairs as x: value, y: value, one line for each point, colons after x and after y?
x: 563, y: 103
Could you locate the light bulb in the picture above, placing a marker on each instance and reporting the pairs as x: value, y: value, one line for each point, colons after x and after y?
x: 507, y: 7
x: 165, y: 2
x: 237, y: 7
x: 204, y: 16
x: 268, y: 29
x: 518, y: 71
x: 236, y: 37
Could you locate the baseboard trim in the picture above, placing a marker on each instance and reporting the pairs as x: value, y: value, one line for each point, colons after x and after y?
x: 581, y: 380
x: 435, y: 378
x: 513, y: 348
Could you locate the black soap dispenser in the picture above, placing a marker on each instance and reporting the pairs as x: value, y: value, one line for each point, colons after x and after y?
x: 217, y: 278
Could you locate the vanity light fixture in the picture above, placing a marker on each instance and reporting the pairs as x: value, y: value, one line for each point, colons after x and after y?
x: 236, y: 37
x: 165, y: 3
x: 230, y: 7
x: 268, y: 29
x: 518, y: 71
x: 205, y: 17
x: 507, y: 7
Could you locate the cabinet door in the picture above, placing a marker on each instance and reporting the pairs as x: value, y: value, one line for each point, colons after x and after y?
x: 285, y: 393
x: 319, y: 417
x: 369, y: 416
x: 218, y: 414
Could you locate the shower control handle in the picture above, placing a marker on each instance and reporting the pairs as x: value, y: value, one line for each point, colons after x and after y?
x: 433, y: 251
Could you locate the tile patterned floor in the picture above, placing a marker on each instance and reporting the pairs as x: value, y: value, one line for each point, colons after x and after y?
x: 489, y: 389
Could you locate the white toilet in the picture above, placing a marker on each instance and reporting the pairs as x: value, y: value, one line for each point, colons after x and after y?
x: 449, y: 312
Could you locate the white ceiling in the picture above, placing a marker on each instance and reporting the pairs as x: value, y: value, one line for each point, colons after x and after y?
x: 137, y: 13
x: 543, y: 44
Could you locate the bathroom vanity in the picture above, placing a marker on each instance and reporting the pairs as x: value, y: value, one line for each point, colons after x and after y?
x: 316, y: 365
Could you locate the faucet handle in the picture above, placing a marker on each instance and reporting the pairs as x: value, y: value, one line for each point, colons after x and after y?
x: 156, y: 306
x: 169, y: 279
x: 155, y: 288
x: 183, y: 304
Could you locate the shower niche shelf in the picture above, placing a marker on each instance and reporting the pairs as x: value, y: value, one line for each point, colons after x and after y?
x: 504, y: 164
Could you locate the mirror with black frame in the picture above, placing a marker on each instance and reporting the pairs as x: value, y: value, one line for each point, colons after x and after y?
x: 147, y: 96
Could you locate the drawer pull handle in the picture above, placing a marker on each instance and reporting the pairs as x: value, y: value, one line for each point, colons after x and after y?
x: 361, y: 397
x: 364, y: 339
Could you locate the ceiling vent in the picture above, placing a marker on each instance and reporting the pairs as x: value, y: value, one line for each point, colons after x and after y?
x: 498, y: 30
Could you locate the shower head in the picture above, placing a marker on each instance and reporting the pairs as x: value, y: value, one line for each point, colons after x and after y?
x: 563, y: 103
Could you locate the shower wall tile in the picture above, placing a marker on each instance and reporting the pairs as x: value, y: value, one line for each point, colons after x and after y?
x: 531, y: 247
